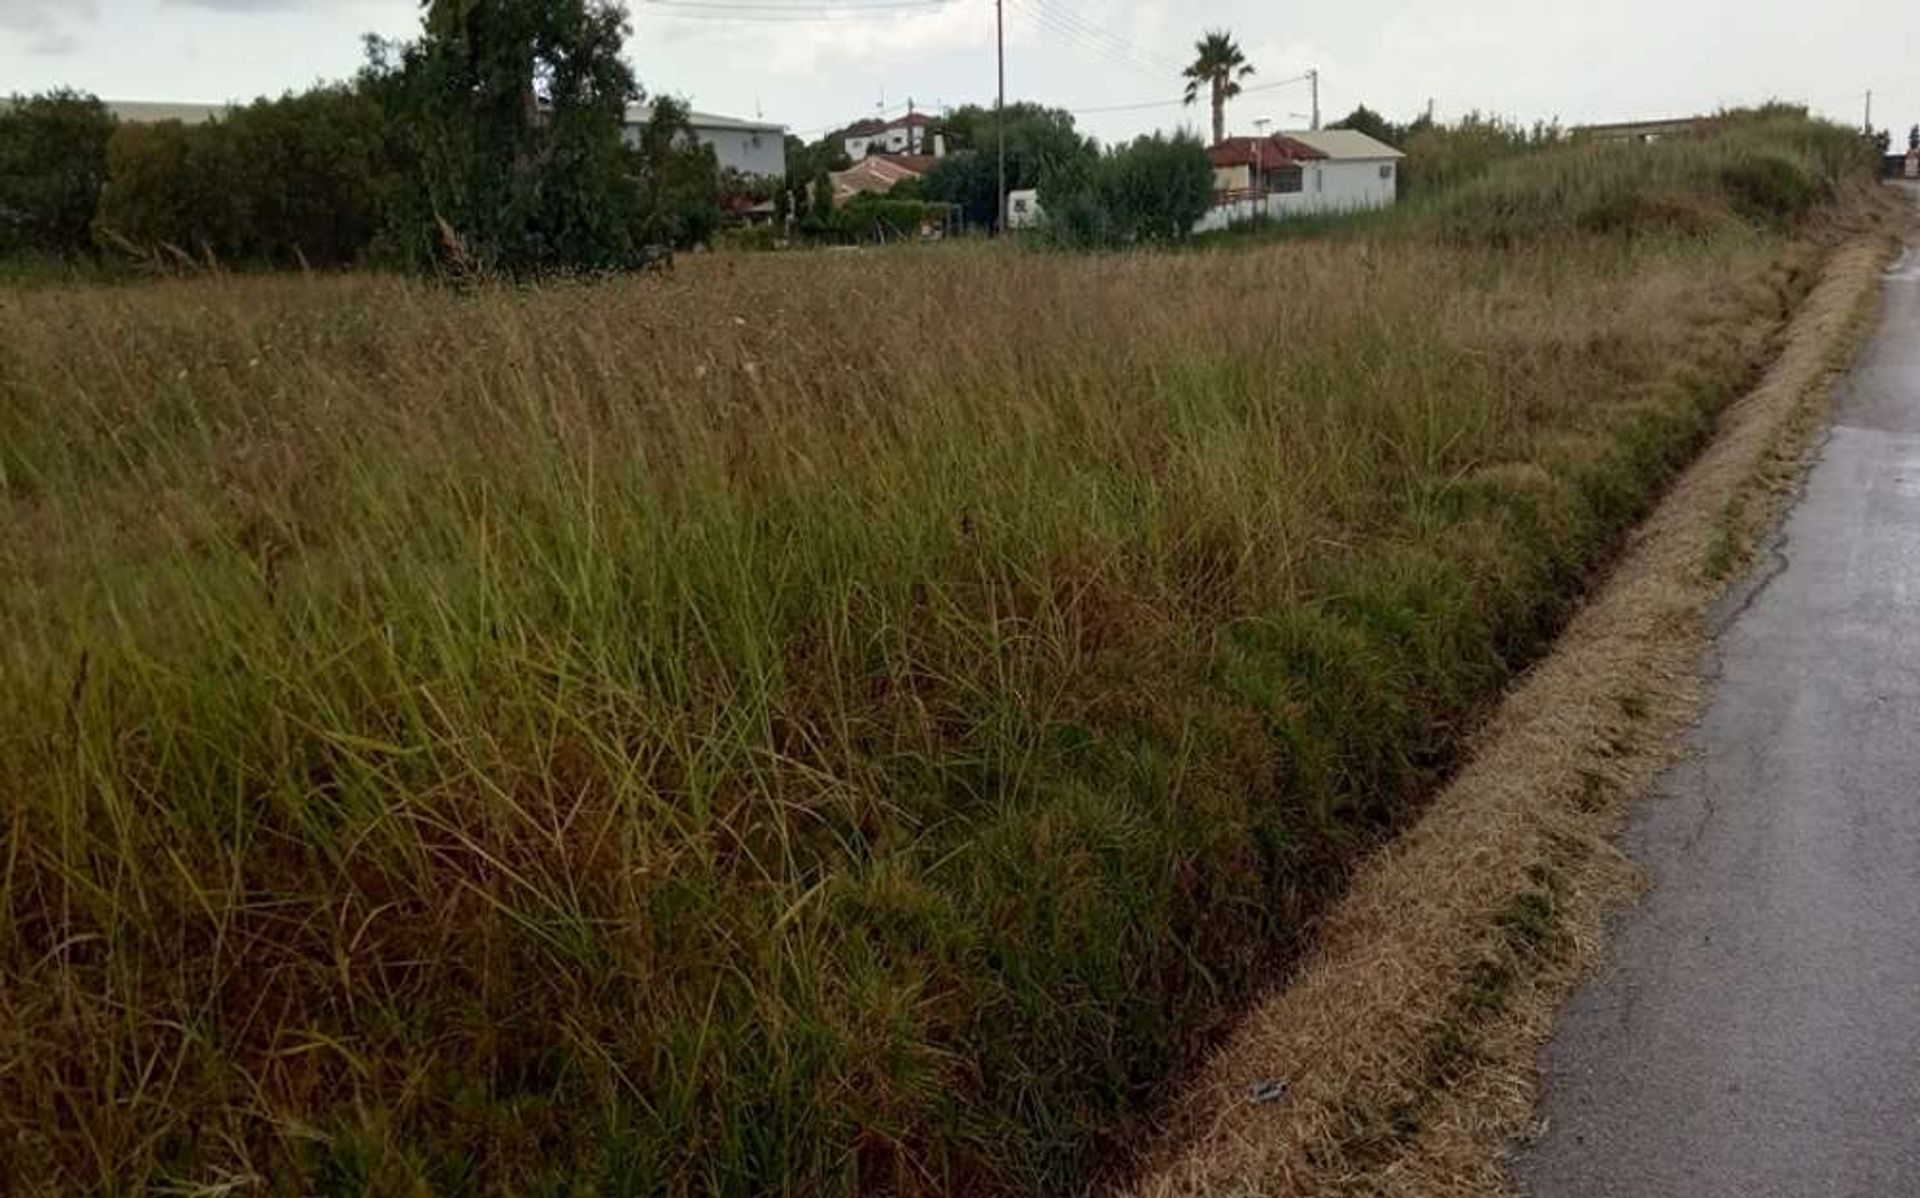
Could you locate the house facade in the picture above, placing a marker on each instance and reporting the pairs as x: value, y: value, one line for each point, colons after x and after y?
x: 1297, y: 174
x: 749, y: 147
x: 910, y: 134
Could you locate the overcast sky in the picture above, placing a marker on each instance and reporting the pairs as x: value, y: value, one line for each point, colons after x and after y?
x: 809, y: 66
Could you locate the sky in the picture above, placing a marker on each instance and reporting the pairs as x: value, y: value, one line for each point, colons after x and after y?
x: 1115, y: 63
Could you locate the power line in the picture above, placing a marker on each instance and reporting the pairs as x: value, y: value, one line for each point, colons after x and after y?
x: 1127, y: 46
x: 723, y: 10
x: 1180, y: 103
x: 1046, y: 20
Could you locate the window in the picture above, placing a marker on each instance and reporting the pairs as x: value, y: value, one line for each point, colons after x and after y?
x: 1386, y: 171
x: 1285, y: 179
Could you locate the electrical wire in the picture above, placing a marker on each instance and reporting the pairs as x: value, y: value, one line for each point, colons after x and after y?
x: 1045, y: 20
x: 726, y: 10
x: 1132, y: 48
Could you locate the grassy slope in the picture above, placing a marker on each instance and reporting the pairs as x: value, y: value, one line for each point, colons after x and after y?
x: 822, y: 723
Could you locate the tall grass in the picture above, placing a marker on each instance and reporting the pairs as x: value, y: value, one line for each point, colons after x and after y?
x: 817, y: 724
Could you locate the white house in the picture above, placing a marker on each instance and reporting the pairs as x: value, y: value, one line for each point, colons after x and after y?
x: 902, y: 135
x: 1296, y: 174
x: 749, y: 147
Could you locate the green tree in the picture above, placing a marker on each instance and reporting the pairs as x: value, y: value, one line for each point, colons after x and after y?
x: 53, y: 164
x: 296, y: 180
x: 167, y: 186
x: 1366, y: 120
x: 1154, y: 189
x: 510, y: 117
x: 1219, y: 66
x: 677, y: 198
x: 1039, y: 140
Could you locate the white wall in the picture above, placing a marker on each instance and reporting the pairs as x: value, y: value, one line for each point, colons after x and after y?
x: 904, y: 140
x: 749, y: 151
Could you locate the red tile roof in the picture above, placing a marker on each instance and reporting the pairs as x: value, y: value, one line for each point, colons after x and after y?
x: 1275, y: 150
x: 919, y: 164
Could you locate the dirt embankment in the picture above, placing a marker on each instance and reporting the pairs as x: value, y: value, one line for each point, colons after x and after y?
x: 1400, y: 1059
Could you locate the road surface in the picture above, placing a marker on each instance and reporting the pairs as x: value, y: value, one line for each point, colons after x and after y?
x: 1757, y: 1029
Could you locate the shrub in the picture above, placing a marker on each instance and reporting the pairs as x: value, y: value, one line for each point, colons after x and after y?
x: 1769, y: 188
x: 281, y: 182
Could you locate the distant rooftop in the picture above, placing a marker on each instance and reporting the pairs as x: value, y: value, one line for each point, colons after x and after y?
x: 145, y: 112
x: 1347, y: 144
x: 640, y: 114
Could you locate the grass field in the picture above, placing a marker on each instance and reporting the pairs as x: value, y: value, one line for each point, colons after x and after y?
x: 820, y: 723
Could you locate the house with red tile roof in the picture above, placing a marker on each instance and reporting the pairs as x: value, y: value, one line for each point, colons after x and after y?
x: 909, y: 134
x: 877, y: 174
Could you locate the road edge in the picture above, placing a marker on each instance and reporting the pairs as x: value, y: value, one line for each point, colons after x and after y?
x: 1404, y: 1050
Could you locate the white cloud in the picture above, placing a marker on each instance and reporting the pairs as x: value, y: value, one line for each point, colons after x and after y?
x: 42, y: 16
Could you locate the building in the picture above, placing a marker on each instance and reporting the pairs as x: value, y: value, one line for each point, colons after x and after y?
x: 909, y: 134
x: 877, y: 174
x: 1298, y: 174
x: 144, y: 112
x: 1245, y: 167
x: 748, y: 147
x: 1644, y: 131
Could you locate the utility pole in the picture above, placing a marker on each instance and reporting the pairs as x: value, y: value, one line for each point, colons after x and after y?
x: 1000, y: 114
x: 1313, y: 77
x: 1869, y: 125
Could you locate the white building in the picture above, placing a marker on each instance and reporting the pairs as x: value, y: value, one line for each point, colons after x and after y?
x: 1297, y: 174
x: 902, y: 135
x: 749, y: 147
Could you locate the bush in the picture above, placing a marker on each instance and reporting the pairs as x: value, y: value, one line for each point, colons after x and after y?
x: 1763, y: 167
x: 53, y: 163
x: 1769, y: 188
x: 283, y: 182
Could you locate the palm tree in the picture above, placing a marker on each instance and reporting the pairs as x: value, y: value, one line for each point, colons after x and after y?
x: 1219, y: 66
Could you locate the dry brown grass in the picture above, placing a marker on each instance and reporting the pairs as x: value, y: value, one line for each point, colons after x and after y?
x: 1407, y: 1039
x: 817, y: 723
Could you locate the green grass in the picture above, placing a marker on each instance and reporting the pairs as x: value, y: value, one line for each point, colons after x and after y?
x: 822, y: 723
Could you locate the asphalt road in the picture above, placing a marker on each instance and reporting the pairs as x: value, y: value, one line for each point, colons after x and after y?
x: 1757, y: 1029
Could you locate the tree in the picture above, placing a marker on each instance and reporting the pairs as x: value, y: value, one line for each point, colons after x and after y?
x: 1218, y: 65
x: 1154, y: 189
x: 1913, y: 140
x: 1366, y: 120
x: 53, y: 163
x: 1039, y: 140
x: 677, y: 197
x: 510, y: 115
